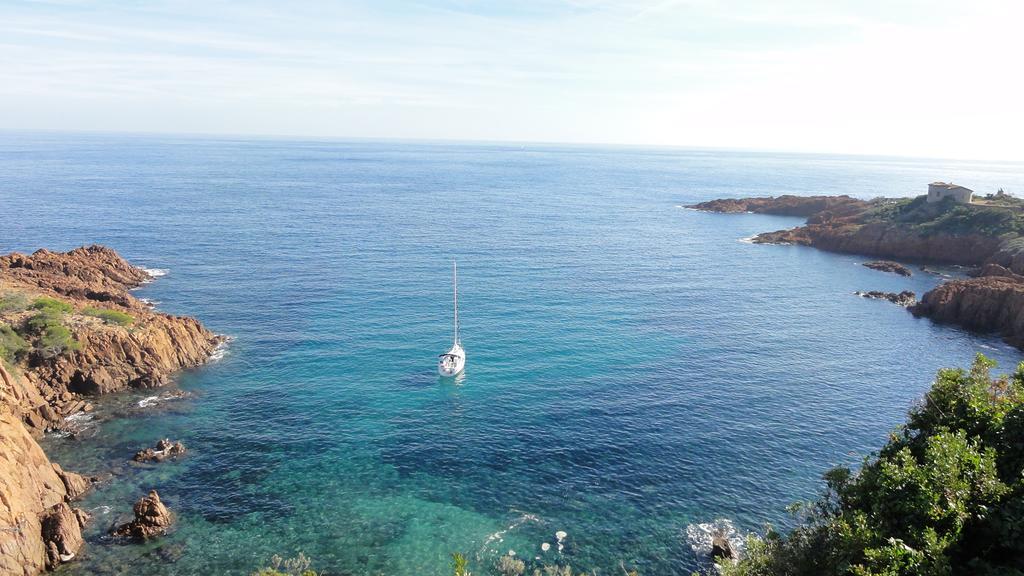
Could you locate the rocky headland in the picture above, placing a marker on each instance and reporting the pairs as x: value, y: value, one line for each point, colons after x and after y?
x: 70, y: 331
x: 986, y: 236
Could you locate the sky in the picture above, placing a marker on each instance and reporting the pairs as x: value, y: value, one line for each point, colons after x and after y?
x: 934, y: 78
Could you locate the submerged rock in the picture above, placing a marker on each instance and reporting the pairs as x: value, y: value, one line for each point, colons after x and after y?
x: 163, y: 450
x: 905, y: 298
x: 152, y: 519
x: 889, y: 266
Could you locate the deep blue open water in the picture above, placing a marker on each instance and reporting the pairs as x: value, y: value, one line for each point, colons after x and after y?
x: 634, y: 368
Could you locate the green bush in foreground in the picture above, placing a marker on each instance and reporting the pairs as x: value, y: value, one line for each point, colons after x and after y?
x: 51, y: 304
x: 944, y: 496
x: 110, y: 316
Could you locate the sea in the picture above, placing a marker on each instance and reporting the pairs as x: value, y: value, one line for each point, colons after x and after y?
x: 639, y: 374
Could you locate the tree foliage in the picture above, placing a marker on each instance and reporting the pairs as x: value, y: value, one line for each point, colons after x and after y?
x: 944, y: 496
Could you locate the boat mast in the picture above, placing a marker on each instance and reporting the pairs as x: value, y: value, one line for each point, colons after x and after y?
x: 455, y: 283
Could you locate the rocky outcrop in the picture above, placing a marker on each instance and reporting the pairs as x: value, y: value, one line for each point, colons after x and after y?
x: 39, y: 528
x: 851, y: 226
x: 75, y: 485
x: 905, y: 298
x: 62, y: 533
x: 163, y: 450
x: 93, y: 273
x: 889, y: 266
x: 786, y: 205
x: 115, y: 358
x: 993, y: 303
x: 110, y: 357
x: 888, y: 241
x: 722, y: 548
x: 152, y: 519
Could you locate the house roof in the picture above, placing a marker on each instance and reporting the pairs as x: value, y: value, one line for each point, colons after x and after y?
x: 949, y: 186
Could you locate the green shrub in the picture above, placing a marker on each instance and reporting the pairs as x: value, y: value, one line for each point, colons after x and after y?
x: 13, y: 302
x: 110, y: 316
x: 945, y: 495
x: 41, y: 321
x: 56, y: 341
x: 45, y: 303
x: 52, y: 337
x: 12, y: 345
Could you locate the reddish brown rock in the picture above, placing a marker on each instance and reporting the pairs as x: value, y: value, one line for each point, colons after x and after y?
x: 75, y: 485
x: 987, y: 303
x: 92, y: 273
x: 722, y: 548
x: 887, y: 241
x: 62, y: 535
x: 905, y: 298
x: 889, y: 266
x: 110, y: 357
x: 163, y: 450
x: 152, y: 519
x: 32, y: 502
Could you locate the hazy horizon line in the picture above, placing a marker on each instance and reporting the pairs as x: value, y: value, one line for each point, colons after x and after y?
x: 457, y: 141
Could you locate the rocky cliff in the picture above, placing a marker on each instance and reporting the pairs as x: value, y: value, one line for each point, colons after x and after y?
x: 141, y: 351
x: 993, y: 302
x: 38, y: 529
x: 889, y: 241
x: 70, y: 330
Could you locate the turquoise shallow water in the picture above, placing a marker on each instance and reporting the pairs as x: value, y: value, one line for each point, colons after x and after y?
x: 634, y: 368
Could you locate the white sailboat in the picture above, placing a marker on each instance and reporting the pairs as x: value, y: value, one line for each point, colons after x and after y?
x: 452, y: 362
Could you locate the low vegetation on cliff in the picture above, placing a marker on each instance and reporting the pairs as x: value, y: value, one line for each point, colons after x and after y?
x: 946, y: 217
x: 945, y: 495
x: 109, y: 316
x: 44, y: 331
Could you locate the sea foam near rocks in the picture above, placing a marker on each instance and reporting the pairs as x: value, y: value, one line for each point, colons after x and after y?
x: 700, y: 537
x: 221, y: 350
x: 149, y: 401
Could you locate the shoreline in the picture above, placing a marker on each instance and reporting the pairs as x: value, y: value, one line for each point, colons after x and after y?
x: 73, y: 333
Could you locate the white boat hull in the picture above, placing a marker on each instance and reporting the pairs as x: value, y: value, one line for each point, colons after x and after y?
x: 452, y: 363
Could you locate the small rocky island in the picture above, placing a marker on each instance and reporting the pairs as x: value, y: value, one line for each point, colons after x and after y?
x: 905, y: 298
x: 889, y: 266
x: 949, y: 225
x: 70, y: 331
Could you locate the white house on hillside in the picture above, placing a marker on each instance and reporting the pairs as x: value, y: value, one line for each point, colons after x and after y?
x: 940, y: 190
